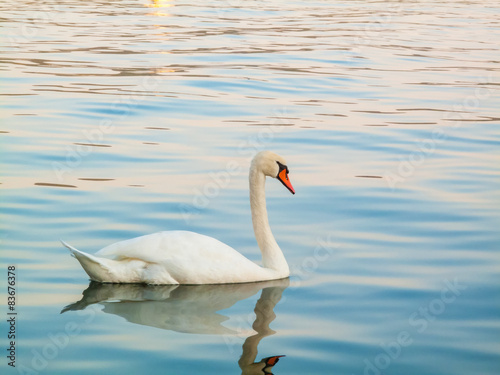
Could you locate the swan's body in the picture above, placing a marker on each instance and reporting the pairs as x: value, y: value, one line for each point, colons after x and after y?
x: 181, y: 257
x: 173, y: 257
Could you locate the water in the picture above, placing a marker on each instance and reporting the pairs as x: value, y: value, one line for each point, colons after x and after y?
x: 129, y: 117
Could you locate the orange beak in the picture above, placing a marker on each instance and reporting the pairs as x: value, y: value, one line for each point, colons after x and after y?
x: 283, y: 177
x: 271, y: 361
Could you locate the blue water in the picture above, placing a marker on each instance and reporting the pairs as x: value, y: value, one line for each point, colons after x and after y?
x: 125, y: 118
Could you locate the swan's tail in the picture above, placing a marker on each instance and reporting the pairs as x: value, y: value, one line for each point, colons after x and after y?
x: 97, y: 268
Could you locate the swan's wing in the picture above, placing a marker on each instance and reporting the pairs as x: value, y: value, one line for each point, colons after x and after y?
x: 162, y: 246
x: 144, y: 247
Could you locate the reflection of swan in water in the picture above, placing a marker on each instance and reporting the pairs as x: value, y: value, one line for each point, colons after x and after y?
x: 264, y: 312
x: 191, y: 309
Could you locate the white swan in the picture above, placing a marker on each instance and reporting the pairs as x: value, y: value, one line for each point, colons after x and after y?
x: 180, y: 257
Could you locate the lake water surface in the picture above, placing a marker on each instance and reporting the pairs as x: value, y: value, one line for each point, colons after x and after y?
x: 123, y: 118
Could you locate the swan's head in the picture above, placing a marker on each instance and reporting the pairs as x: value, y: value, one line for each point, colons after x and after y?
x: 274, y: 166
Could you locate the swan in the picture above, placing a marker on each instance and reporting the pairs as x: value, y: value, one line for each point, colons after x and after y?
x: 182, y: 257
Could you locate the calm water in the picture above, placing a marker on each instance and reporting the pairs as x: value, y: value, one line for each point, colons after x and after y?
x: 122, y: 118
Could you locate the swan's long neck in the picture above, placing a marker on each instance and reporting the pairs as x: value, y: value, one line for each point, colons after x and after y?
x: 272, y: 256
